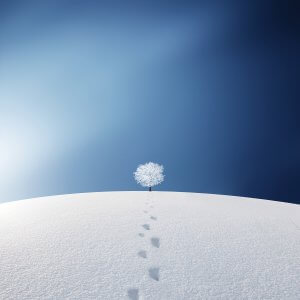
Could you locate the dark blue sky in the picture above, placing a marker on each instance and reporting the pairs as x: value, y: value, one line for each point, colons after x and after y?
x: 91, y: 89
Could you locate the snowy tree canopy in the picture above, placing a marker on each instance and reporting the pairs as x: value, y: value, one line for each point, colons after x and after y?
x: 149, y: 174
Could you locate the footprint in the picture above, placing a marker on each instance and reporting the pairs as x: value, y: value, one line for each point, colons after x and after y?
x: 133, y: 294
x: 151, y: 206
x: 146, y: 226
x: 155, y: 242
x: 142, y: 254
x: 145, y: 211
x: 154, y: 273
x: 141, y: 234
x: 153, y: 218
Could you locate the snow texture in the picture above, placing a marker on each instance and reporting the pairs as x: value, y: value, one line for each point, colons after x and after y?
x: 195, y: 246
x: 149, y: 174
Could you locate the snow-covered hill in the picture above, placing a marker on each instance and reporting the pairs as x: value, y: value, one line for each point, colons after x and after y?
x: 141, y: 245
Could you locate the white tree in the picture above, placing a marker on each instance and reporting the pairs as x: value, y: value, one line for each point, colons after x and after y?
x: 149, y: 175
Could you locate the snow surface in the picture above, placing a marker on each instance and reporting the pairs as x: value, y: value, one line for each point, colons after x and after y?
x: 142, y: 245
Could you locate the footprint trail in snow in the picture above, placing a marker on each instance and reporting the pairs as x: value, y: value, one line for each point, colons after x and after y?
x: 153, y: 271
x: 155, y: 242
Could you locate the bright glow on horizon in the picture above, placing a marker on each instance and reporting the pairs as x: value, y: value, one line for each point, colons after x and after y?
x: 19, y: 149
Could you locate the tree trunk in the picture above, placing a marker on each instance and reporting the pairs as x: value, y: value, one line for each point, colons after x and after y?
x: 150, y: 188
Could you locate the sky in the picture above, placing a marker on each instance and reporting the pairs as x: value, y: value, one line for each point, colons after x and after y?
x: 91, y: 89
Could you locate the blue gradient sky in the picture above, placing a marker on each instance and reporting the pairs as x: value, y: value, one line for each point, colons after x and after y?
x: 91, y: 89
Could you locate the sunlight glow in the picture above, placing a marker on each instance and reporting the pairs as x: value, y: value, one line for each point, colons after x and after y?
x: 18, y: 150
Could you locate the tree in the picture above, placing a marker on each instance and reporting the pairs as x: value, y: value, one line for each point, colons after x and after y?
x: 149, y: 175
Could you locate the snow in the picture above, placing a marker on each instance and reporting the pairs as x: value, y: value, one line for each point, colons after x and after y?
x: 142, y: 245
